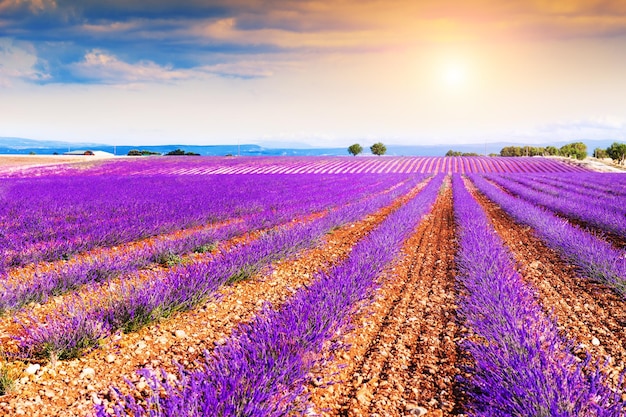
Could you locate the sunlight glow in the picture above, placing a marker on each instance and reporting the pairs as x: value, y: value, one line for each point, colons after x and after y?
x: 454, y: 76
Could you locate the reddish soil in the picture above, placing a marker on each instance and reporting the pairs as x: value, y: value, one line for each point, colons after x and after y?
x: 401, y: 351
x: 587, y: 312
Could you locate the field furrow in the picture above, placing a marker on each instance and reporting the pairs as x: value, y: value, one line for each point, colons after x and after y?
x: 400, y: 353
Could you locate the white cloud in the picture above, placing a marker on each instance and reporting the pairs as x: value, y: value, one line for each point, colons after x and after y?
x: 102, y: 67
x: 99, y: 66
x: 598, y: 128
x: 18, y: 62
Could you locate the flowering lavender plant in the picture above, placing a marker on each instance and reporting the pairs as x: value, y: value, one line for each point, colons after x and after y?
x: 262, y: 369
x: 522, y: 366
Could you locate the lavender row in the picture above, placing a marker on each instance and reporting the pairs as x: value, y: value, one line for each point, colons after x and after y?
x: 78, y: 325
x: 589, y: 210
x: 263, y: 367
x: 555, y: 186
x: 522, y: 366
x: 259, y: 165
x: 44, y: 219
x: 594, y: 257
x: 590, y: 184
x: 607, y: 183
x: 15, y: 293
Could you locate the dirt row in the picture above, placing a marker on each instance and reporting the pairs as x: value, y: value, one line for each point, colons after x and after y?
x: 71, y: 388
x: 400, y: 356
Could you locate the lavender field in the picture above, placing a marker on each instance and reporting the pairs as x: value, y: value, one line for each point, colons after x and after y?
x: 330, y: 286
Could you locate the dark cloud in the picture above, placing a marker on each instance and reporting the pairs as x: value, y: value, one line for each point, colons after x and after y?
x: 116, y: 10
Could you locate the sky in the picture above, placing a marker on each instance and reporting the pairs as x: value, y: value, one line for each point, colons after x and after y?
x: 322, y: 73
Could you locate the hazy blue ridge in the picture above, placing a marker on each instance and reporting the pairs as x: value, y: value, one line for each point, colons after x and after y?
x: 21, y: 146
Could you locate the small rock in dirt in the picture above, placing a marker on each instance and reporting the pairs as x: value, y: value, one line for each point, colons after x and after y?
x: 95, y: 399
x: 180, y: 334
x: 32, y: 369
x: 595, y: 341
x: 363, y: 395
x: 110, y: 358
x: 87, y: 373
x: 416, y: 410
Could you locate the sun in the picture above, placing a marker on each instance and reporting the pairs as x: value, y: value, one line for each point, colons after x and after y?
x: 454, y: 76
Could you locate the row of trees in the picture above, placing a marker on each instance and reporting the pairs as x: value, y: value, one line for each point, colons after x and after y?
x: 376, y: 149
x: 143, y: 152
x: 459, y: 153
x: 577, y: 150
x: 617, y: 152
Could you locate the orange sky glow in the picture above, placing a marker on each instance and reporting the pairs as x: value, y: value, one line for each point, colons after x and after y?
x: 325, y: 73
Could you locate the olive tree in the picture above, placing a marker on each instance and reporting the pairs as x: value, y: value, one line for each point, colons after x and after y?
x: 617, y: 152
x: 378, y: 149
x: 355, y: 149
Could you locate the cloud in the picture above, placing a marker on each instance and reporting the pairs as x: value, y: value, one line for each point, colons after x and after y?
x: 18, y: 63
x: 168, y: 40
x: 100, y: 67
x: 598, y: 128
x: 34, y: 6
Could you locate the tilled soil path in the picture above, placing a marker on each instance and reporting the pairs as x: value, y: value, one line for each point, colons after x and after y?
x: 400, y: 354
x: 71, y: 388
x: 588, y: 313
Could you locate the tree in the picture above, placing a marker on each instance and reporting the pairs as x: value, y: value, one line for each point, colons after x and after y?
x: 378, y: 149
x: 511, y: 151
x: 355, y: 149
x: 617, y: 152
x: 179, y: 151
x: 552, y: 150
x: 600, y: 153
x: 576, y: 150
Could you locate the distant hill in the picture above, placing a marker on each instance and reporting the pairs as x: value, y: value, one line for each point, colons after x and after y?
x: 9, y: 145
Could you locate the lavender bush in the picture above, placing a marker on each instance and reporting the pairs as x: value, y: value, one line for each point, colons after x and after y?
x: 262, y: 369
x: 591, y: 210
x: 138, y: 302
x: 52, y: 218
x: 594, y: 257
x: 522, y: 366
x: 166, y: 250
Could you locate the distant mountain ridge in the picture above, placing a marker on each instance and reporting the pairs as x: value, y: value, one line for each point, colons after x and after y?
x: 11, y: 145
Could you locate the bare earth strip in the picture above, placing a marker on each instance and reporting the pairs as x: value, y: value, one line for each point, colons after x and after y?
x: 587, y: 312
x: 401, y: 353
x: 19, y: 163
x: 71, y: 388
